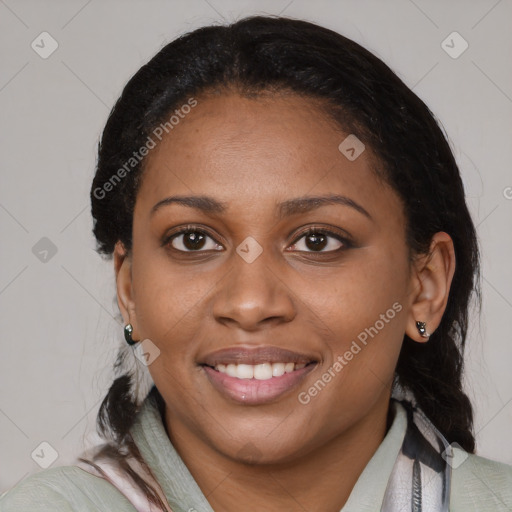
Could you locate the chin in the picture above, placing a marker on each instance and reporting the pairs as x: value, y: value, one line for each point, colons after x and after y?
x: 259, y: 452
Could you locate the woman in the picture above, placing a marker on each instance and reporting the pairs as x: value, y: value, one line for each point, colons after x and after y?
x: 294, y: 262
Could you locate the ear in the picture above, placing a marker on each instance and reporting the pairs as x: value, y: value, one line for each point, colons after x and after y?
x: 123, y: 271
x: 432, y: 276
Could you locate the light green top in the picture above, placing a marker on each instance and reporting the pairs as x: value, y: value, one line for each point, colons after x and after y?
x: 478, y: 484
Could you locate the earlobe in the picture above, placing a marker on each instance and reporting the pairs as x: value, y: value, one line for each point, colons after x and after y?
x: 122, y: 267
x: 432, y: 278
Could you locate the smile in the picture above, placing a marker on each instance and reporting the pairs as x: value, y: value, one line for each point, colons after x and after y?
x: 264, y: 371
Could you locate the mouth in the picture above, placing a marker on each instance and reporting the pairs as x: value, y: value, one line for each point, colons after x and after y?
x: 263, y: 371
x: 256, y: 376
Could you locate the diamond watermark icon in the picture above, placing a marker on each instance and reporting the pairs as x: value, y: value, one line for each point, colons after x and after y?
x: 249, y: 249
x: 146, y: 352
x: 44, y: 455
x: 44, y: 250
x: 454, y: 458
x: 454, y: 45
x: 249, y: 453
x: 44, y: 45
x: 351, y: 147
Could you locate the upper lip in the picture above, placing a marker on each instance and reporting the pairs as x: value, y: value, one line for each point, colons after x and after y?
x: 258, y: 355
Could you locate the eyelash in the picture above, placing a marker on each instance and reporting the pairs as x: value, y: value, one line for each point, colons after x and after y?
x: 347, y: 243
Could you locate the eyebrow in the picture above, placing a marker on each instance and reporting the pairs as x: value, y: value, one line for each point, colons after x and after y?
x: 286, y: 208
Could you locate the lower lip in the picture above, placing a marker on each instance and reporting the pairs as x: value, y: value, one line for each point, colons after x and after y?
x: 254, y: 391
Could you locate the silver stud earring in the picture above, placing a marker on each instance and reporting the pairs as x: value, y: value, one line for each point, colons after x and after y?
x: 128, y: 330
x: 422, y: 329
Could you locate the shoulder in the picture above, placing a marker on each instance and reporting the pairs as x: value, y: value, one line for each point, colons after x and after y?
x: 63, y: 489
x: 480, y: 484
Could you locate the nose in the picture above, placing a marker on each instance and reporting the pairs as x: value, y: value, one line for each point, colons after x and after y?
x: 253, y: 296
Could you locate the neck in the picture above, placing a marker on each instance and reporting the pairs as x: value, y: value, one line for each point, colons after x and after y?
x: 322, y: 480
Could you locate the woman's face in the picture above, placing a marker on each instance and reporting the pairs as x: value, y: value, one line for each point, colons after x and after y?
x: 245, y: 298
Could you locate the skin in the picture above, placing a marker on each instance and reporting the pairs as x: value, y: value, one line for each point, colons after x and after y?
x: 251, y: 154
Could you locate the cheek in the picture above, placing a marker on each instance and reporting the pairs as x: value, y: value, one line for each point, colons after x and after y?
x: 168, y: 302
x: 354, y: 296
x: 363, y: 308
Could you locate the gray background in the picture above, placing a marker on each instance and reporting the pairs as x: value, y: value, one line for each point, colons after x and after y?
x: 59, y: 321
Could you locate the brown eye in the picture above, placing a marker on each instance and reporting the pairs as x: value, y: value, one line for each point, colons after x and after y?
x: 192, y: 240
x: 317, y: 241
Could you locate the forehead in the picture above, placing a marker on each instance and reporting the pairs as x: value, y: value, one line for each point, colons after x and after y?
x: 247, y: 150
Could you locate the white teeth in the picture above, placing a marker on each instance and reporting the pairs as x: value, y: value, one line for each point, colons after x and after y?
x: 230, y: 370
x: 244, y: 371
x: 264, y: 371
x: 277, y: 369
